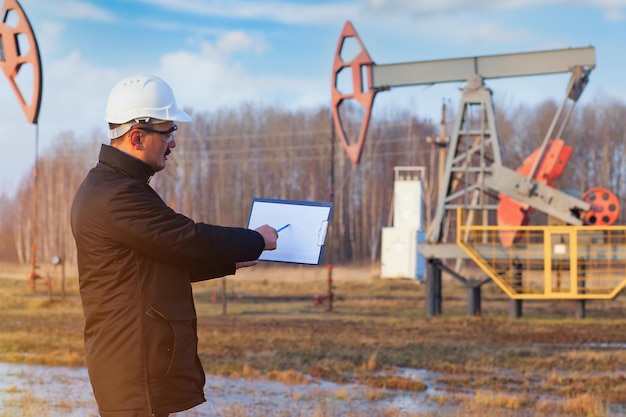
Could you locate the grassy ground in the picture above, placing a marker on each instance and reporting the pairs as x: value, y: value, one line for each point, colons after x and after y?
x: 545, y: 364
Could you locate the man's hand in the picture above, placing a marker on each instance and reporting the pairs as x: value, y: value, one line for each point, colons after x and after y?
x: 245, y: 264
x: 269, y: 235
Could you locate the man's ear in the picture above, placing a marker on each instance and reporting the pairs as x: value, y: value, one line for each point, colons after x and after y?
x: 135, y: 138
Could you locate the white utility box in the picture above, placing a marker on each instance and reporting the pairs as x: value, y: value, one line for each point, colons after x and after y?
x: 399, y: 250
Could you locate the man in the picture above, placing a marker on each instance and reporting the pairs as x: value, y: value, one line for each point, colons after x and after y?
x: 137, y: 259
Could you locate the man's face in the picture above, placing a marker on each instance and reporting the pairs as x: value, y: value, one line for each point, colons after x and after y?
x: 157, y: 142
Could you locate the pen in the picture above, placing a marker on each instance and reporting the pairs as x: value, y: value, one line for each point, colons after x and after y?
x: 284, y: 227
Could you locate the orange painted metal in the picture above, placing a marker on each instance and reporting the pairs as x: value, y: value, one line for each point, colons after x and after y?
x: 604, y: 207
x: 551, y: 166
x: 362, y: 96
x: 12, y: 58
x: 513, y: 213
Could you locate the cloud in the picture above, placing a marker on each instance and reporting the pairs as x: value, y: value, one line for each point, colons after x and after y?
x: 49, y: 36
x: 75, y: 95
x: 614, y: 14
x: 274, y: 11
x: 214, y: 72
x: 613, y: 9
x: 469, y: 30
x: 490, y: 32
x: 84, y: 11
x: 236, y: 41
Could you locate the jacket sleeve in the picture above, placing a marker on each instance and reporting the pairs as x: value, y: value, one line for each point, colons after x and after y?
x: 140, y: 220
x: 214, y: 271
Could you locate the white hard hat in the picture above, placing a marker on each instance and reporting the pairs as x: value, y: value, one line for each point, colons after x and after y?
x: 142, y: 98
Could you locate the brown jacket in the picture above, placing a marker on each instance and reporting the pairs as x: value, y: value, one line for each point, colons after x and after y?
x: 136, y: 261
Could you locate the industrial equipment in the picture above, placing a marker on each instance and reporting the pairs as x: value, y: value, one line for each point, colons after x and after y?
x: 399, y: 256
x: 18, y: 50
x: 484, y: 207
x: 19, y: 59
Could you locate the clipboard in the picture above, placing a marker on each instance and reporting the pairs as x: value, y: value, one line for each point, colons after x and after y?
x: 301, y: 226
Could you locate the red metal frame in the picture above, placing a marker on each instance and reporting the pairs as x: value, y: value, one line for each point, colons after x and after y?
x: 364, y: 98
x: 11, y: 58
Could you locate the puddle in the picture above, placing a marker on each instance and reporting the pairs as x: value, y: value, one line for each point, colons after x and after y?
x: 50, y: 391
x: 585, y: 345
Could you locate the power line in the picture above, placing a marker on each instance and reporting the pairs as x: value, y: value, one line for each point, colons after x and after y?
x: 273, y: 134
x: 284, y: 147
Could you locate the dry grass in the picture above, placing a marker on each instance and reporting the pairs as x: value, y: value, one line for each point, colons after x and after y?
x: 542, y: 364
x: 392, y: 382
x: 500, y: 400
x: 585, y: 405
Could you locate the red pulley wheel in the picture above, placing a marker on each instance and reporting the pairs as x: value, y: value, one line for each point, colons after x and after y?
x: 604, y: 207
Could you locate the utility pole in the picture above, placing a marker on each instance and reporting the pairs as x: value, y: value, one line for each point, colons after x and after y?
x: 331, y: 196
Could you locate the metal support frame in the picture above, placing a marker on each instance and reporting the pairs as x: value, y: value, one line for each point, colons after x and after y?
x: 474, y: 288
x: 581, y: 309
x: 433, y: 288
x: 474, y: 147
x: 474, y: 301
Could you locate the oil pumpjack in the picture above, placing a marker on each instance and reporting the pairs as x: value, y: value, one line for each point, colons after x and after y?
x: 483, y: 208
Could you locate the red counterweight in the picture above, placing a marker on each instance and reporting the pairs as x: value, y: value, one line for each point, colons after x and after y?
x: 512, y: 213
x: 604, y: 203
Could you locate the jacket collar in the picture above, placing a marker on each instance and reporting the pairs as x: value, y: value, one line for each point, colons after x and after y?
x: 128, y: 164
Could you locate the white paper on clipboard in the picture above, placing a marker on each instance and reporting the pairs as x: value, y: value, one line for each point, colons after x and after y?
x: 302, y: 241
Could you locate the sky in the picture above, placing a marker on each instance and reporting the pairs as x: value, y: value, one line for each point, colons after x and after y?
x: 222, y: 53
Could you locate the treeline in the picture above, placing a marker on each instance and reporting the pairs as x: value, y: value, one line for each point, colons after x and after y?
x: 225, y: 158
